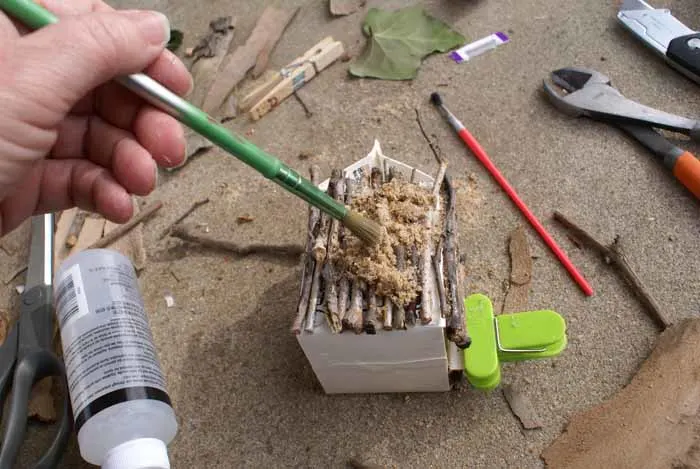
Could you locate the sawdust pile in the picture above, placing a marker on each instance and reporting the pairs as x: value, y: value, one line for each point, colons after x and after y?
x: 401, y: 207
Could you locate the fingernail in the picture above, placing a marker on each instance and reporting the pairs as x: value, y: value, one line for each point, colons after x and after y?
x: 155, y: 27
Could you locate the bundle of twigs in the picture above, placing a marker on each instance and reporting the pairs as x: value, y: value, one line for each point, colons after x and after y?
x: 353, y: 305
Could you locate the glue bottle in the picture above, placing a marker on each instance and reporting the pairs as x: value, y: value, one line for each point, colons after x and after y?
x: 121, y: 408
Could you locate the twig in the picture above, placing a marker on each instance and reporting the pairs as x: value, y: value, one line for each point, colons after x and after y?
x: 353, y: 320
x: 440, y: 279
x: 433, y: 147
x: 456, y: 326
x: 337, y: 188
x: 351, y: 189
x: 185, y: 214
x: 612, y: 254
x: 122, y: 230
x: 307, y: 112
x: 319, y: 252
x: 399, y: 318
x: 371, y: 321
x: 305, y: 288
x: 426, y: 255
x: 280, y: 250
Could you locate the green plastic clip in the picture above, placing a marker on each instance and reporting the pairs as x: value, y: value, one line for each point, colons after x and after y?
x: 530, y: 335
x: 481, y: 363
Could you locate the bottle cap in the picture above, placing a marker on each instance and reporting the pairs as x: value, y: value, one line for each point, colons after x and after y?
x: 142, y: 453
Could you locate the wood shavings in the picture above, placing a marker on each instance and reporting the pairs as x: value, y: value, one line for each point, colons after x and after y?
x: 521, y: 407
x: 401, y: 208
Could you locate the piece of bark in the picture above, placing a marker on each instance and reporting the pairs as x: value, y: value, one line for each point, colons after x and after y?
x: 308, y: 260
x: 124, y: 229
x: 520, y: 273
x: 273, y: 250
x: 208, y: 56
x: 345, y: 7
x: 456, y: 326
x: 266, y: 33
x: 75, y: 228
x: 612, y: 254
x: 131, y: 245
x: 371, y: 320
x: 652, y: 423
x: 521, y: 407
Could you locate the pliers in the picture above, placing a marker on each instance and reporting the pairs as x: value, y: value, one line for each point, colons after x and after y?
x: 585, y: 92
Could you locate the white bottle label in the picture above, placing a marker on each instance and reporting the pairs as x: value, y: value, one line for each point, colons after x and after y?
x: 107, y: 344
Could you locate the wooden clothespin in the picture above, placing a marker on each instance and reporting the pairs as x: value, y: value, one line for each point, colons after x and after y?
x: 292, y: 77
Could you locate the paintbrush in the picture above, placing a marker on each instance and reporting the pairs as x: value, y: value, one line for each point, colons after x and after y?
x: 369, y: 231
x: 484, y: 159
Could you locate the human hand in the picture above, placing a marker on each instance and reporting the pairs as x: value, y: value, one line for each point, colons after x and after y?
x: 69, y: 137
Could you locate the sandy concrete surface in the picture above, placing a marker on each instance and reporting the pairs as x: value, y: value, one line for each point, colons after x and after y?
x: 242, y: 389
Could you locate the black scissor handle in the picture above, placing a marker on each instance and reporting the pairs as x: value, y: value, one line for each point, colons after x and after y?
x: 34, y: 367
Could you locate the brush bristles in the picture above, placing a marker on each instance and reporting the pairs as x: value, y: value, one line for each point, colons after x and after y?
x: 367, y: 230
x: 436, y: 99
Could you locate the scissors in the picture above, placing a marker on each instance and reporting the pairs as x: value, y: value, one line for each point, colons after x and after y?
x: 26, y: 356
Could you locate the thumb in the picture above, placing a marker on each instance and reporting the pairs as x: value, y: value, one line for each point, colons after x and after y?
x: 57, y: 65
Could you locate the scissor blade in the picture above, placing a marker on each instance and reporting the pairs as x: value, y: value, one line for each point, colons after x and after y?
x: 40, y: 267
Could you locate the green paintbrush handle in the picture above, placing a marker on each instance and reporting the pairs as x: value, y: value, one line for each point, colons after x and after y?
x: 35, y: 17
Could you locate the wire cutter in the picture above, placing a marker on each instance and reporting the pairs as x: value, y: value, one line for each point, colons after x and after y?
x: 26, y: 356
x: 585, y: 92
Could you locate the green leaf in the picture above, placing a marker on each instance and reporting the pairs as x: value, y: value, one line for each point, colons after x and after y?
x: 399, y: 40
x: 175, y: 42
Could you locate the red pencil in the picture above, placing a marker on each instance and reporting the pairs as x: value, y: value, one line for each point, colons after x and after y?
x: 481, y: 155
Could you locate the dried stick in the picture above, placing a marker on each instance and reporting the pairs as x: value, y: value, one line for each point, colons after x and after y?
x: 440, y: 280
x: 411, y: 309
x: 456, y: 326
x: 388, y: 314
x: 371, y: 320
x: 305, y: 287
x: 612, y: 254
x: 122, y: 230
x: 399, y: 311
x: 426, y: 312
x: 353, y: 320
x: 279, y: 250
x: 337, y: 188
x: 185, y: 214
x: 319, y: 252
x: 352, y: 187
x: 75, y: 227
